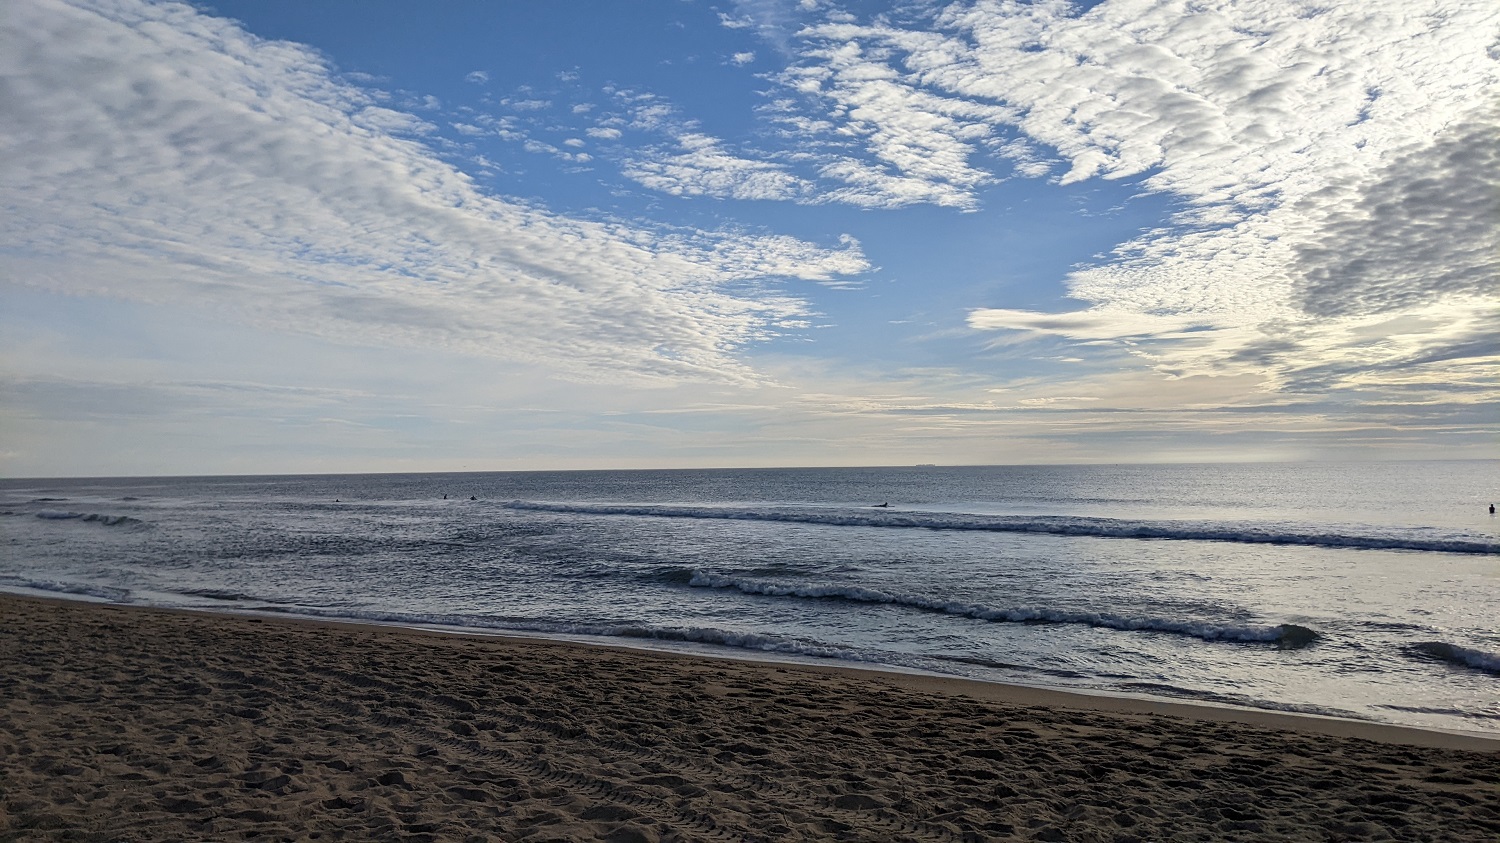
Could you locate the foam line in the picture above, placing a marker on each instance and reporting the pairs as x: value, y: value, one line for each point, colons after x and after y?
x: 1286, y: 636
x: 1060, y: 525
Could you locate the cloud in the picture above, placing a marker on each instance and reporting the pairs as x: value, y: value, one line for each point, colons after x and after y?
x: 478, y: 77
x: 110, y: 401
x: 921, y: 135
x: 527, y: 104
x: 702, y: 167
x: 1079, y: 325
x: 1334, y: 165
x: 872, y: 186
x: 1055, y: 399
x: 1422, y: 227
x: 158, y: 154
x: 742, y: 59
x: 775, y: 21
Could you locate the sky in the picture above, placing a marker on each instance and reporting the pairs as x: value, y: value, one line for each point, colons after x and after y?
x: 275, y: 236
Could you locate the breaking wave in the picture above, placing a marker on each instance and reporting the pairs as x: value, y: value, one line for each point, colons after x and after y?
x: 1461, y: 656
x: 101, y: 592
x: 1286, y: 636
x: 96, y: 517
x: 1058, y: 525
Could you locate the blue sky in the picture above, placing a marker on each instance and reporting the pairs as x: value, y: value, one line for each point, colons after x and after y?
x: 372, y: 236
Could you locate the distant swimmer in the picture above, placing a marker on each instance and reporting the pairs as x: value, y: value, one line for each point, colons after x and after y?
x: 888, y: 503
x: 445, y: 497
x: 1492, y: 509
x: 472, y: 498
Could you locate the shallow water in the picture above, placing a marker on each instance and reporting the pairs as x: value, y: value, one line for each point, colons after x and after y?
x: 1362, y: 590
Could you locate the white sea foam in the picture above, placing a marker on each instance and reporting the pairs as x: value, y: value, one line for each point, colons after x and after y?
x: 1385, y: 538
x: 97, y: 517
x: 101, y: 592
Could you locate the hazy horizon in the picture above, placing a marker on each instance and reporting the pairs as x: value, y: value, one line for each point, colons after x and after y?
x: 729, y: 468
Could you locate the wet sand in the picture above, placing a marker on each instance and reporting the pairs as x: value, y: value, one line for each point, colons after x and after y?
x: 138, y: 724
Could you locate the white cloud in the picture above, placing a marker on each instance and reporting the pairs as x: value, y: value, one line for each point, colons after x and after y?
x: 1053, y: 400
x: 922, y: 136
x: 1333, y: 163
x: 154, y: 153
x: 702, y: 167
x: 478, y: 77
x: 604, y: 133
x: 392, y: 122
x: 774, y: 21
x: 872, y: 186
x: 652, y: 115
x: 1079, y: 325
x: 742, y: 59
x: 528, y: 104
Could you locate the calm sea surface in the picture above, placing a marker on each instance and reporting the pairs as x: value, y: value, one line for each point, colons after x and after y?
x: 1366, y: 590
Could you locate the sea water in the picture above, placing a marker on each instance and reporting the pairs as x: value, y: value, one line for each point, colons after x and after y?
x: 1367, y: 590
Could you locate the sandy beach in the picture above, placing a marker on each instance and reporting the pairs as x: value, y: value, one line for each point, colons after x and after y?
x: 139, y: 724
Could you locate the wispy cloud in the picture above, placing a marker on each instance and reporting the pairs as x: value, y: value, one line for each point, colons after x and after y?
x: 155, y: 153
x: 911, y: 130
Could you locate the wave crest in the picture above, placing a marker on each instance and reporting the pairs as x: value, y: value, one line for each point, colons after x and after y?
x: 1458, y: 655
x: 1285, y: 636
x: 96, y: 517
x: 110, y: 593
x: 1057, y: 525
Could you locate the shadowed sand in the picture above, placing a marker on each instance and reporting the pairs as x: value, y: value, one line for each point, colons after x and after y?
x: 137, y: 724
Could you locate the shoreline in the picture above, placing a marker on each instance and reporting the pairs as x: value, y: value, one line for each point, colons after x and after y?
x: 979, y: 689
x: 125, y: 722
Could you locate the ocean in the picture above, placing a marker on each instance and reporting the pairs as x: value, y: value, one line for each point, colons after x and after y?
x: 1360, y: 590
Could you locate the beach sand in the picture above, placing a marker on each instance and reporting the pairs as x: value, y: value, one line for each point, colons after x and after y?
x: 137, y: 724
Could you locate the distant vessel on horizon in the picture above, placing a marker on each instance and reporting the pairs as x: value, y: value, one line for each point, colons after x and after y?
x: 926, y: 465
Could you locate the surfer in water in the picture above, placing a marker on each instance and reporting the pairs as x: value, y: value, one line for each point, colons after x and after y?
x: 888, y: 503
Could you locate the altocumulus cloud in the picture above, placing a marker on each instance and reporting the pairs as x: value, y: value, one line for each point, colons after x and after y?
x: 155, y: 153
x: 702, y: 167
x: 1336, y: 165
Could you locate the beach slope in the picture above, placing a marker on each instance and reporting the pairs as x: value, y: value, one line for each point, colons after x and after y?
x: 138, y: 724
